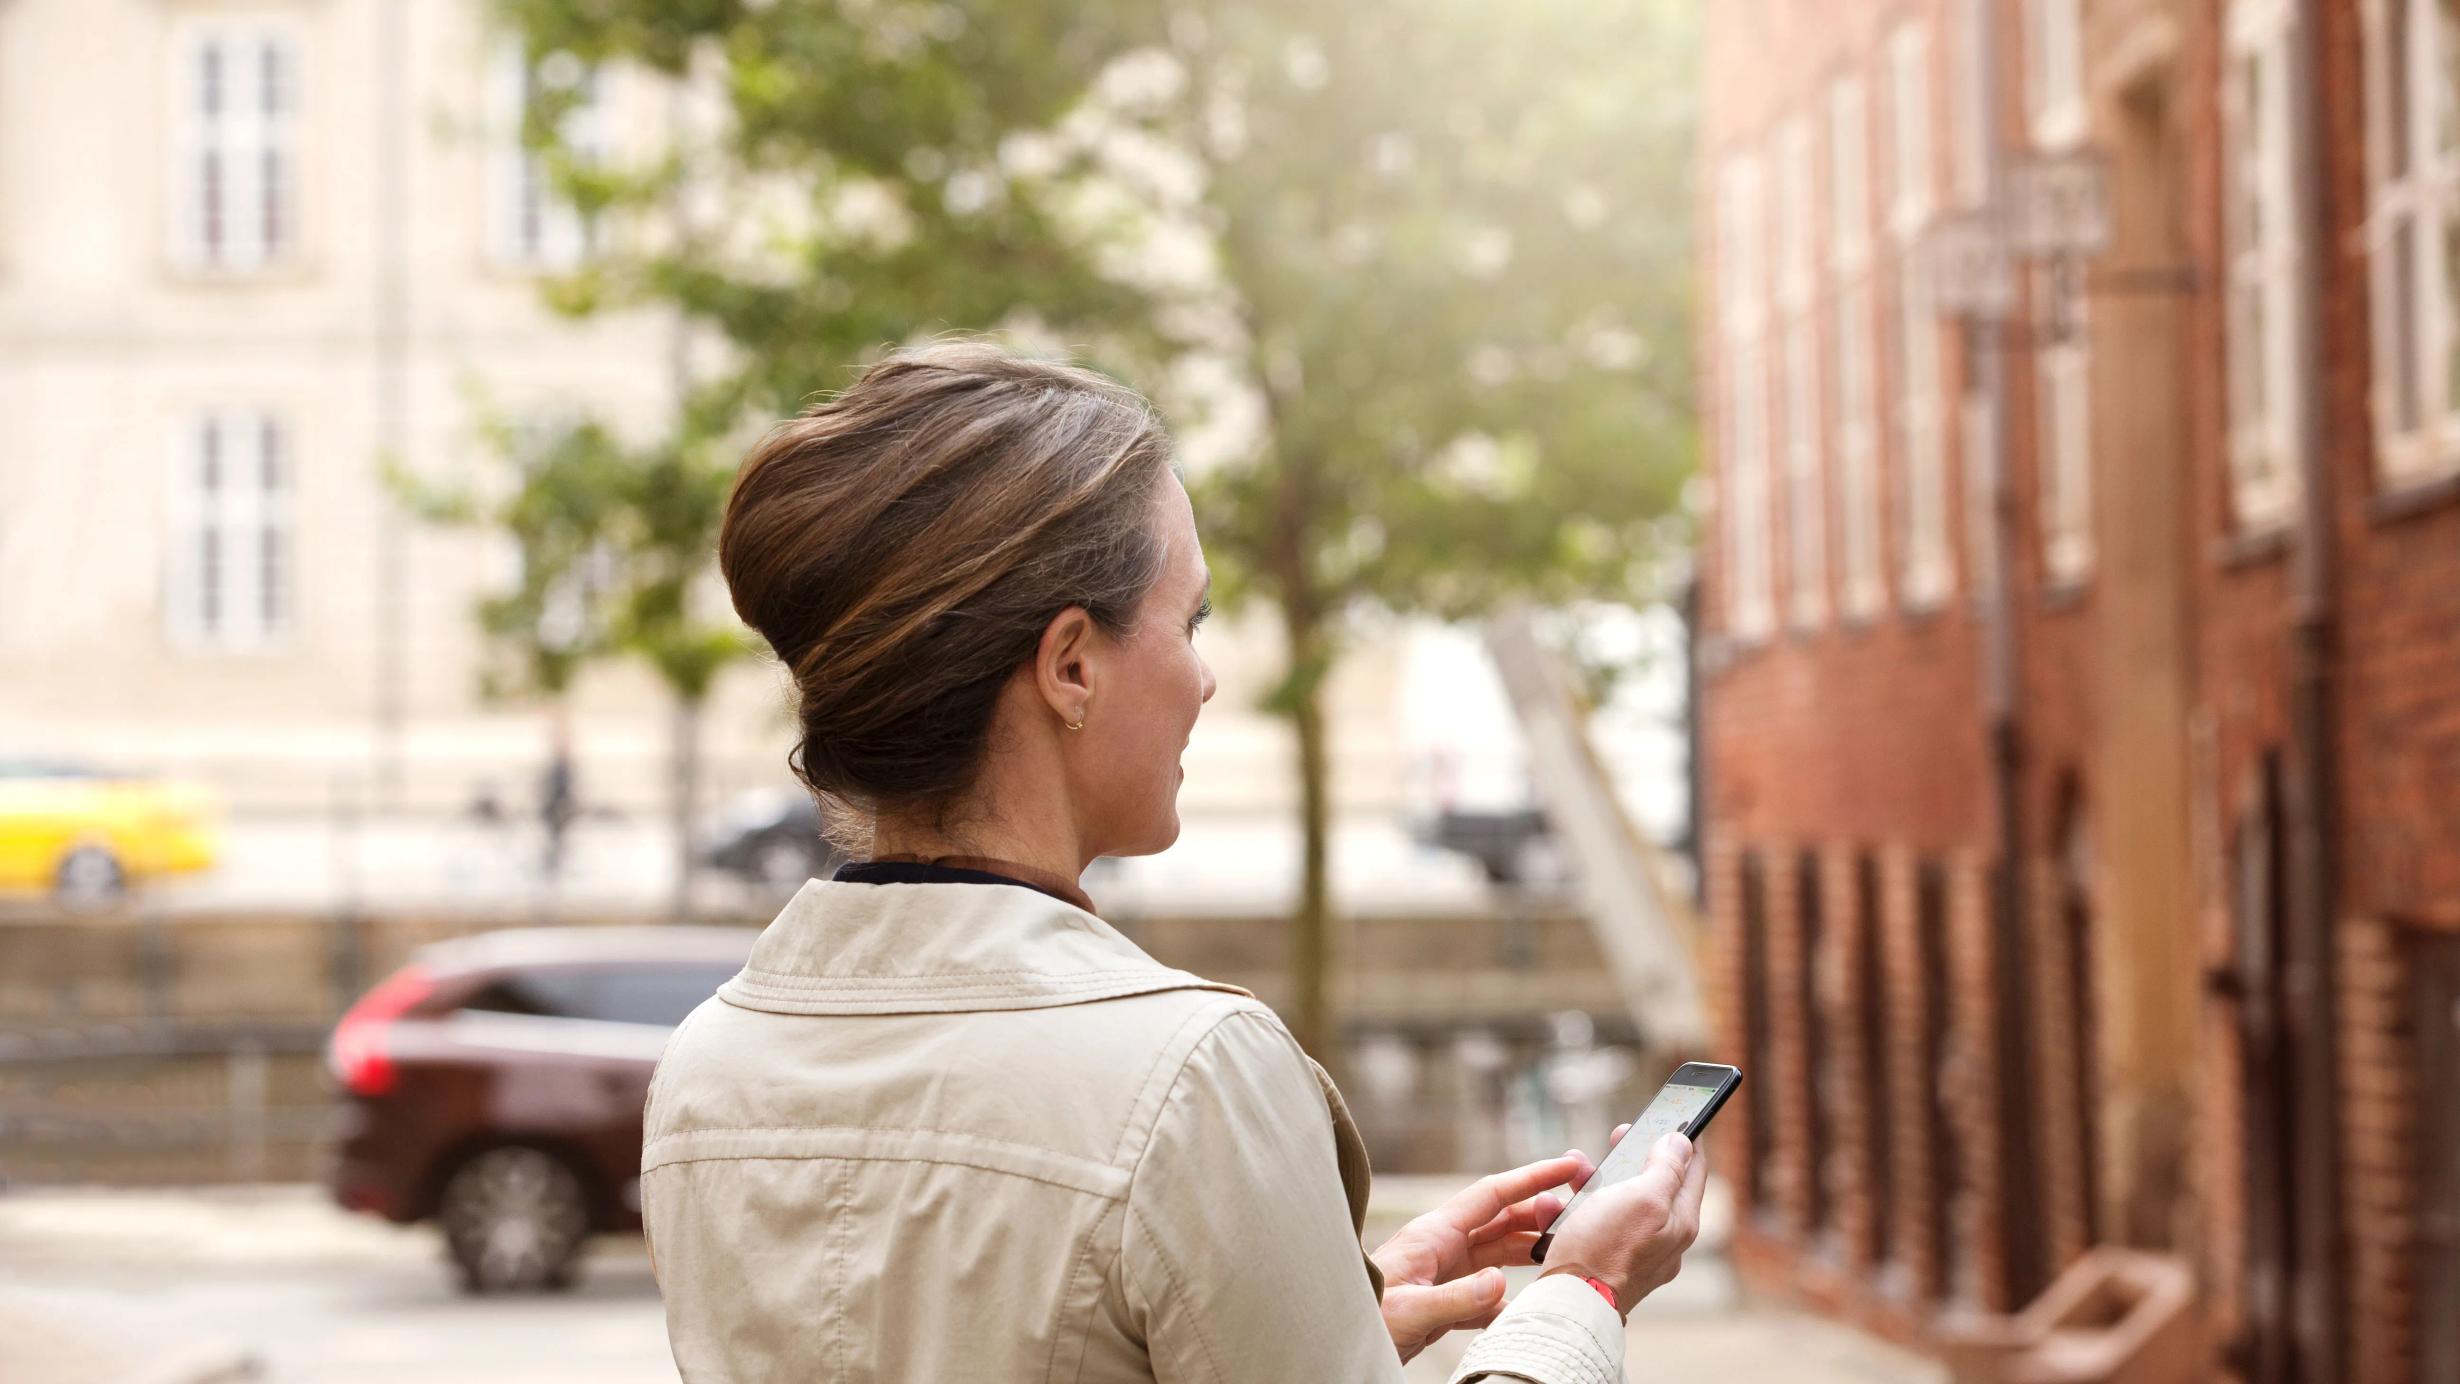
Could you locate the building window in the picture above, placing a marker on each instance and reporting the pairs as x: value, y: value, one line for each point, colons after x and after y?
x: 533, y: 225
x: 1850, y: 409
x: 238, y: 196
x: 233, y: 579
x: 1914, y: 325
x: 1743, y: 312
x: 2259, y: 215
x: 2054, y: 71
x: 2061, y: 376
x: 1798, y: 361
x: 2413, y: 155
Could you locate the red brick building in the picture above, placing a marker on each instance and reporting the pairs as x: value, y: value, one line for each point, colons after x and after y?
x: 2080, y: 664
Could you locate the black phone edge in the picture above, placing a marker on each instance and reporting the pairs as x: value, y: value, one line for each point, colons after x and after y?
x: 1725, y: 1088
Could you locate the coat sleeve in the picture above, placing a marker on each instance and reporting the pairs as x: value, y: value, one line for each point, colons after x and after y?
x: 1237, y: 1261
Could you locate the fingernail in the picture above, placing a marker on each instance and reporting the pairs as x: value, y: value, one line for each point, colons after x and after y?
x: 1675, y: 1147
x: 1490, y: 1283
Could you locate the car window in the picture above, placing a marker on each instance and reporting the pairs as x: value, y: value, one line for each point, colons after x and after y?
x: 564, y: 994
x: 645, y: 993
x: 656, y: 994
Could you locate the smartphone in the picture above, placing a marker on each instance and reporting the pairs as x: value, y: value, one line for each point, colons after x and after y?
x: 1687, y: 1102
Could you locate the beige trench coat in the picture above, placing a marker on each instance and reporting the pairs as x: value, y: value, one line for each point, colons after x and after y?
x: 959, y: 1132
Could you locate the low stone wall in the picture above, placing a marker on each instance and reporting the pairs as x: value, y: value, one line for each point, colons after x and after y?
x: 150, y: 1048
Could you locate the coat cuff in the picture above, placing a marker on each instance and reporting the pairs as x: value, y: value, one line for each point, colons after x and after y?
x: 1558, y: 1331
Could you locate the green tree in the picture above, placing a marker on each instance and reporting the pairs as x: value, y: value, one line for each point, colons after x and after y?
x: 1445, y: 246
x: 1456, y: 240
x: 612, y: 545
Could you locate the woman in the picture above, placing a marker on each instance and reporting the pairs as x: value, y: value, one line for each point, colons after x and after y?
x: 947, y: 1124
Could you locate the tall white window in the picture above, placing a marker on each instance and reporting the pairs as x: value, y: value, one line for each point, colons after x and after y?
x: 2054, y: 70
x: 237, y: 192
x: 1851, y: 408
x: 233, y: 572
x: 2413, y: 156
x: 1915, y: 329
x: 2054, y: 99
x: 2259, y: 216
x: 1743, y: 311
x: 1806, y: 512
x: 2061, y: 376
x: 532, y: 226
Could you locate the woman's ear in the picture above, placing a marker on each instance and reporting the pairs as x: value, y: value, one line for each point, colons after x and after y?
x: 1063, y: 665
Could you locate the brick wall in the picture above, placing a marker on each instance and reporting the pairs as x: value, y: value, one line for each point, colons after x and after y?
x: 1833, y: 744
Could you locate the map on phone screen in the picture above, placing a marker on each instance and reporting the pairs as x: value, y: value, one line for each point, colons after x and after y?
x: 1673, y: 1108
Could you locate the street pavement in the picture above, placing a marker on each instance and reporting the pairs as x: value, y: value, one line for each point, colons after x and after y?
x: 273, y: 1286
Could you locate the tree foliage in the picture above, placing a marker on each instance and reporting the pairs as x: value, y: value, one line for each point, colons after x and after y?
x: 1442, y: 254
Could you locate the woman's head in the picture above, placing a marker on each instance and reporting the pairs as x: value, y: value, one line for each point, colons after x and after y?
x: 958, y: 559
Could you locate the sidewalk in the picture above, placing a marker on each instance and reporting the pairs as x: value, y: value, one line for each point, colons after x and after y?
x: 1697, y: 1328
x: 271, y: 1285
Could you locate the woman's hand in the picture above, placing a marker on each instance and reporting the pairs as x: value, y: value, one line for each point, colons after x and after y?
x: 1633, y: 1234
x: 1494, y: 1222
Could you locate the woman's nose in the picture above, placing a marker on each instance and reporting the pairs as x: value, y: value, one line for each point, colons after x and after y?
x: 1205, y: 672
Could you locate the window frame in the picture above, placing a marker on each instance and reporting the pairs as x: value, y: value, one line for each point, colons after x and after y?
x: 206, y: 591
x: 531, y: 228
x: 227, y: 160
x: 1742, y: 234
x: 1853, y: 405
x: 2260, y: 444
x: 2058, y: 119
x: 1925, y: 573
x: 2422, y: 199
x: 2055, y: 106
x: 1806, y: 515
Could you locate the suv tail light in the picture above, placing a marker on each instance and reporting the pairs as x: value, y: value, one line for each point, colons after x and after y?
x: 357, y: 1054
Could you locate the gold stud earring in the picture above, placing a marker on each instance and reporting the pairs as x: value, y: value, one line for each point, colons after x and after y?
x: 1078, y: 723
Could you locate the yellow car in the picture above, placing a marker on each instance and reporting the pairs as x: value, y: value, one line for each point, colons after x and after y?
x: 83, y: 834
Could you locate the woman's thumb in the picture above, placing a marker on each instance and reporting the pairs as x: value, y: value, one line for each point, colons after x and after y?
x: 1461, y: 1300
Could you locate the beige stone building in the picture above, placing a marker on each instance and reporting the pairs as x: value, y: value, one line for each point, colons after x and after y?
x: 249, y: 249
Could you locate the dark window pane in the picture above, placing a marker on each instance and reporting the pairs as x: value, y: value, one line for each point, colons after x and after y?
x: 655, y: 994
x: 642, y: 993
x: 550, y: 994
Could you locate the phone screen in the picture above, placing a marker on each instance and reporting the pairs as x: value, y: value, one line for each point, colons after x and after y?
x: 1685, y: 1102
x: 1674, y: 1108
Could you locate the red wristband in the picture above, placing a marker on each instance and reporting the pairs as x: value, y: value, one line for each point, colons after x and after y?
x: 1604, y: 1291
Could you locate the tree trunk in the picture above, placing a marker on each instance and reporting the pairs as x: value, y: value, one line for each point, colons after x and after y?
x: 684, y: 790
x: 1311, y: 923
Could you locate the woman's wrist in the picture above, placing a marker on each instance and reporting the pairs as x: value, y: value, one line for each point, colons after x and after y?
x: 1602, y: 1285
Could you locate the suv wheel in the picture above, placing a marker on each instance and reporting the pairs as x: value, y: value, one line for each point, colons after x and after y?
x: 89, y: 877
x: 514, y: 1220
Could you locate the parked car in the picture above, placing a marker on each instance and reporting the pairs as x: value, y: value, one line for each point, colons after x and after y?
x: 494, y: 1086
x: 772, y: 840
x: 84, y: 834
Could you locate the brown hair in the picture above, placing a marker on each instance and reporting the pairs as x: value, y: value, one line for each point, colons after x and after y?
x: 903, y: 545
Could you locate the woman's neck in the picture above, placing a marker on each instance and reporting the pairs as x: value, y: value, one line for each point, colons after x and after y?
x: 1051, y: 850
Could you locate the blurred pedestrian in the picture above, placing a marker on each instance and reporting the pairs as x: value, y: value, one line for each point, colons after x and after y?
x: 948, y: 1124
x: 558, y: 797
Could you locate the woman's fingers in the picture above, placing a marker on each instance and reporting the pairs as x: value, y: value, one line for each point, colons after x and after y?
x: 1695, y: 1186
x: 1536, y: 1213
x: 1504, y: 1252
x: 1486, y: 1198
x: 1415, y: 1313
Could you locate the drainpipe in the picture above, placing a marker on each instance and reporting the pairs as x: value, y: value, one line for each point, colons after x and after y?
x: 2015, y: 1150
x: 2309, y: 980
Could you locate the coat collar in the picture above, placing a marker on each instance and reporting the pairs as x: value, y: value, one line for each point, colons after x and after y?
x: 843, y: 948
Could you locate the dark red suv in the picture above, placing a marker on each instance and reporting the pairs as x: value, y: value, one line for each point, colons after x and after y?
x: 494, y: 1085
